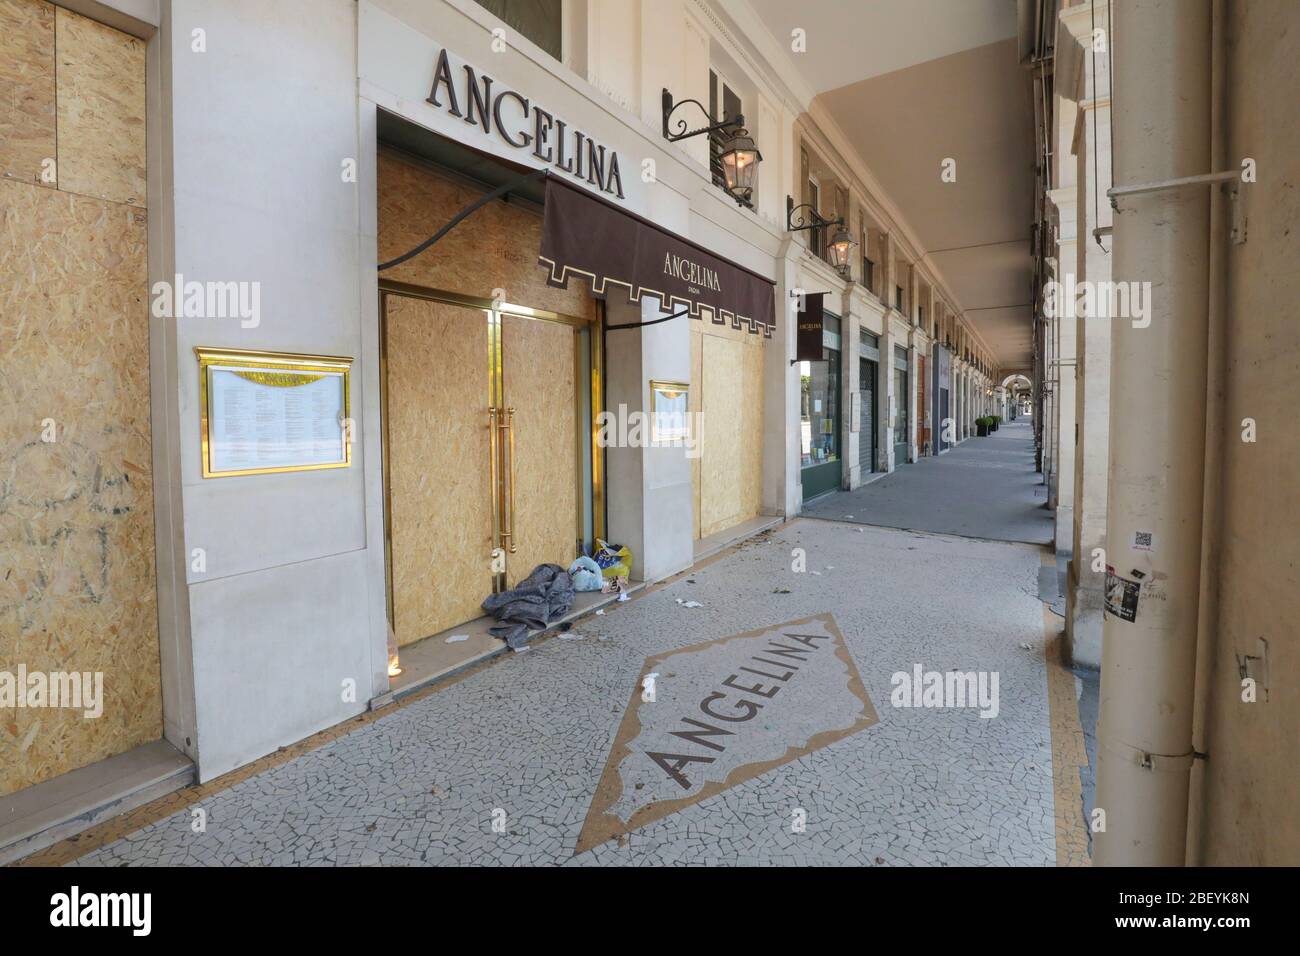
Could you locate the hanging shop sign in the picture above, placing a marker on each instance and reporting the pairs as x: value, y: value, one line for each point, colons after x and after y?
x: 523, y: 125
x: 267, y: 412
x: 588, y: 237
x: 811, y: 322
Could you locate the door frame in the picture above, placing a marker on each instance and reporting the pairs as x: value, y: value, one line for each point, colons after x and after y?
x: 495, y: 310
x: 902, y: 392
x: 868, y: 422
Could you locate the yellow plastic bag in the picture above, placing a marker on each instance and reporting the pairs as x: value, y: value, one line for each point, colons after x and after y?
x: 615, y: 560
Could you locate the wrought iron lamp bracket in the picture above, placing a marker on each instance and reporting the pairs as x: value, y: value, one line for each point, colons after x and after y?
x: 806, y: 220
x: 682, y: 130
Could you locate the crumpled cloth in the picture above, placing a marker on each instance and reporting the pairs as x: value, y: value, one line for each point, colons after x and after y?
x: 538, y: 599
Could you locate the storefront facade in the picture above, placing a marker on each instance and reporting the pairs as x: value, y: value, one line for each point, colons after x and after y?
x: 821, y: 468
x: 941, y: 364
x: 290, y: 161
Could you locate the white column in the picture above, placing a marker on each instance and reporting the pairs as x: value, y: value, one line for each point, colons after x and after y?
x: 886, y: 392
x: 1084, y: 598
x: 850, y: 387
x: 914, y: 407
x: 1157, y: 457
x: 1062, y: 492
x: 781, y: 421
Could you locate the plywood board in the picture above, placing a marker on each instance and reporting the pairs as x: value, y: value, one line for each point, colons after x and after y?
x: 751, y: 426
x: 539, y: 363
x: 495, y: 248
x: 438, y: 460
x: 731, y: 462
x: 101, y: 110
x: 76, y: 514
x: 27, y: 89
x: 695, y: 400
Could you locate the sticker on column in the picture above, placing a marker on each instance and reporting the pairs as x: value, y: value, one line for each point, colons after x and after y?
x: 1144, y: 541
x: 1121, y: 595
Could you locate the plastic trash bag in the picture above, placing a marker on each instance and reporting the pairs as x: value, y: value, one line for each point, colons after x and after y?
x: 615, y: 560
x: 586, y: 574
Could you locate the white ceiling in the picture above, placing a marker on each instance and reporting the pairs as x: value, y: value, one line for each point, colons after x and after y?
x: 912, y: 83
x: 851, y: 40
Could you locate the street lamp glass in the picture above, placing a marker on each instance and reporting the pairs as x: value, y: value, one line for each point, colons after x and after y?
x: 740, y: 159
x: 840, y: 247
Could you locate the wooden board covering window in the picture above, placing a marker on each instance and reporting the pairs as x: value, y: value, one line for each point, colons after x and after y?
x: 727, y: 392
x: 76, y: 514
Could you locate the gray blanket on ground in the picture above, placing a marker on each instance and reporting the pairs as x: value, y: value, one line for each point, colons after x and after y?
x: 540, y: 598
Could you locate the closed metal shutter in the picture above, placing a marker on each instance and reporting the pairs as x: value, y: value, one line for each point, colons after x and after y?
x: 867, y: 418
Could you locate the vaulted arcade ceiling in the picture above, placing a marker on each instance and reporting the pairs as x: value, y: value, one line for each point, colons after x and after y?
x: 912, y: 83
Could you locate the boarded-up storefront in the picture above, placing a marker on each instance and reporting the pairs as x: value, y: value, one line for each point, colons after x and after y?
x: 483, y: 402
x: 727, y: 399
x: 77, y: 588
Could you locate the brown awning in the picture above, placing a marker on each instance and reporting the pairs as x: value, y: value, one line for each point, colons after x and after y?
x: 588, y: 237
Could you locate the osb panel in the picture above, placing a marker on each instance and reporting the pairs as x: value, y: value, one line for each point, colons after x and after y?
x: 494, y: 248
x: 751, y: 426
x: 76, y: 515
x: 539, y: 384
x: 693, y: 401
x: 101, y: 110
x: 732, y: 459
x: 437, y: 361
x: 27, y: 135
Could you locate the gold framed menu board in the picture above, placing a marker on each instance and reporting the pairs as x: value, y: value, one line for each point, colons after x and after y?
x: 669, y: 417
x: 268, y: 412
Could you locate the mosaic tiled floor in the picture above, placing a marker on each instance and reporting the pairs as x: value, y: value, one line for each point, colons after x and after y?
x: 502, y: 766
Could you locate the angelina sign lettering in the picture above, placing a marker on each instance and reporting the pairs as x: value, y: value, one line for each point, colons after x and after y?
x: 524, y: 124
x: 589, y: 237
x: 695, y: 275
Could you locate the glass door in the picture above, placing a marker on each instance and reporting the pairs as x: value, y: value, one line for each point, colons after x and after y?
x: 820, y: 424
x: 901, y: 397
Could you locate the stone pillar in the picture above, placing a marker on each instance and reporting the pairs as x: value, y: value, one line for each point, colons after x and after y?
x: 913, y: 406
x: 1084, y: 598
x: 782, y: 491
x: 1062, y: 494
x: 886, y: 395
x: 1049, y: 404
x: 959, y: 397
x: 887, y: 273
x: 954, y: 400
x: 849, y: 386
x: 1155, y: 502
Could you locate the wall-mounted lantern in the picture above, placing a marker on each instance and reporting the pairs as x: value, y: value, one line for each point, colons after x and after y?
x: 739, y: 156
x: 804, y: 216
x: 840, y: 248
x: 740, y: 159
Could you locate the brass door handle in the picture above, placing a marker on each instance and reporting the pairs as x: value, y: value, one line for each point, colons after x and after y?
x: 492, y: 469
x: 509, y: 425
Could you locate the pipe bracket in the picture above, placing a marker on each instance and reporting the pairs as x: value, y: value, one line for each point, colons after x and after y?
x: 1160, y: 763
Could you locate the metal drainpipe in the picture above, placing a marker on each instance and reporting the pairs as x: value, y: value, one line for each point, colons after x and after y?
x: 1162, y: 57
x: 1215, y: 431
